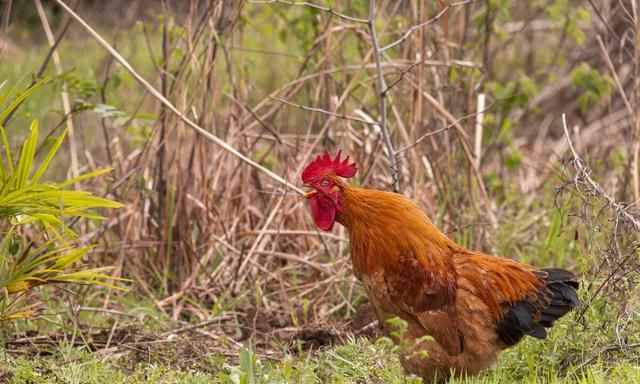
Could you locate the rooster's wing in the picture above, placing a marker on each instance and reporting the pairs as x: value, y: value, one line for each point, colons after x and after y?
x: 427, y: 294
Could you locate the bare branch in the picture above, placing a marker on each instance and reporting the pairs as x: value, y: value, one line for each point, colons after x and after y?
x: 382, y: 98
x: 428, y: 134
x: 582, y: 175
x: 315, y: 6
x: 424, y: 24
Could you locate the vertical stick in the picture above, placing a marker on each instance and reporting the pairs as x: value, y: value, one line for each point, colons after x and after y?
x: 477, y: 149
x: 636, y: 98
x: 66, y: 105
x: 382, y: 98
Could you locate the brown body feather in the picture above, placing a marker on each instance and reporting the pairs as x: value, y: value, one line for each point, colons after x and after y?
x: 411, y: 270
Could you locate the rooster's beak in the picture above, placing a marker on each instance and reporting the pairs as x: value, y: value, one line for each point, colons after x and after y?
x: 308, y: 194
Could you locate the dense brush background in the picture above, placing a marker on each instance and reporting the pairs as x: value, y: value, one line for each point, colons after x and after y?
x: 228, y: 278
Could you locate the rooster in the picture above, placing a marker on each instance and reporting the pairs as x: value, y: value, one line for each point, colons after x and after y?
x: 473, y: 305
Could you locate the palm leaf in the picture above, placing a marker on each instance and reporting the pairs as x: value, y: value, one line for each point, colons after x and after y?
x: 27, y: 156
x: 47, y: 160
x: 21, y: 97
x: 52, y: 256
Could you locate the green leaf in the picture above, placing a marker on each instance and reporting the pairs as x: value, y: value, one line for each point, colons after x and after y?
x: 21, y: 97
x: 246, y: 364
x: 47, y: 160
x: 27, y: 156
x: 7, y: 151
x: 85, y: 176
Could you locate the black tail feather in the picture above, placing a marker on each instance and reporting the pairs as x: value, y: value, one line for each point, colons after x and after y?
x: 556, y: 299
x: 557, y: 275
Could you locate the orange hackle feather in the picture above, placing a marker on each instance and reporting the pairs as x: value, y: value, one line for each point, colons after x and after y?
x: 380, y: 224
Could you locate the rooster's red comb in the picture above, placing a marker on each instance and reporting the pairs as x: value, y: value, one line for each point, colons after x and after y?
x: 324, y: 165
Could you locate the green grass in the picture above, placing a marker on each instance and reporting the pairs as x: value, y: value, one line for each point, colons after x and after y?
x: 158, y: 360
x: 358, y: 361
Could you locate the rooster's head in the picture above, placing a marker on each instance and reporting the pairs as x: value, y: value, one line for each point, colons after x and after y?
x: 322, y: 176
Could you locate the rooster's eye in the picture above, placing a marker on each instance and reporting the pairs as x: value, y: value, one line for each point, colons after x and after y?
x: 325, y: 183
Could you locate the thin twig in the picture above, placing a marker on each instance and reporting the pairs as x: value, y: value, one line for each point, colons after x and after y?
x: 451, y: 125
x: 424, y: 24
x: 582, y: 173
x: 402, y: 74
x: 320, y: 110
x: 448, y: 63
x: 208, y: 135
x: 267, y: 126
x: 315, y: 6
x: 607, y: 349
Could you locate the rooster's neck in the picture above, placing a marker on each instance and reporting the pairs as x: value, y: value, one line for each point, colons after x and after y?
x: 385, y: 227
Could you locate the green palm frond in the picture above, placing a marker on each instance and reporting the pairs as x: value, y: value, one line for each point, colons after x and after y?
x: 53, y: 257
